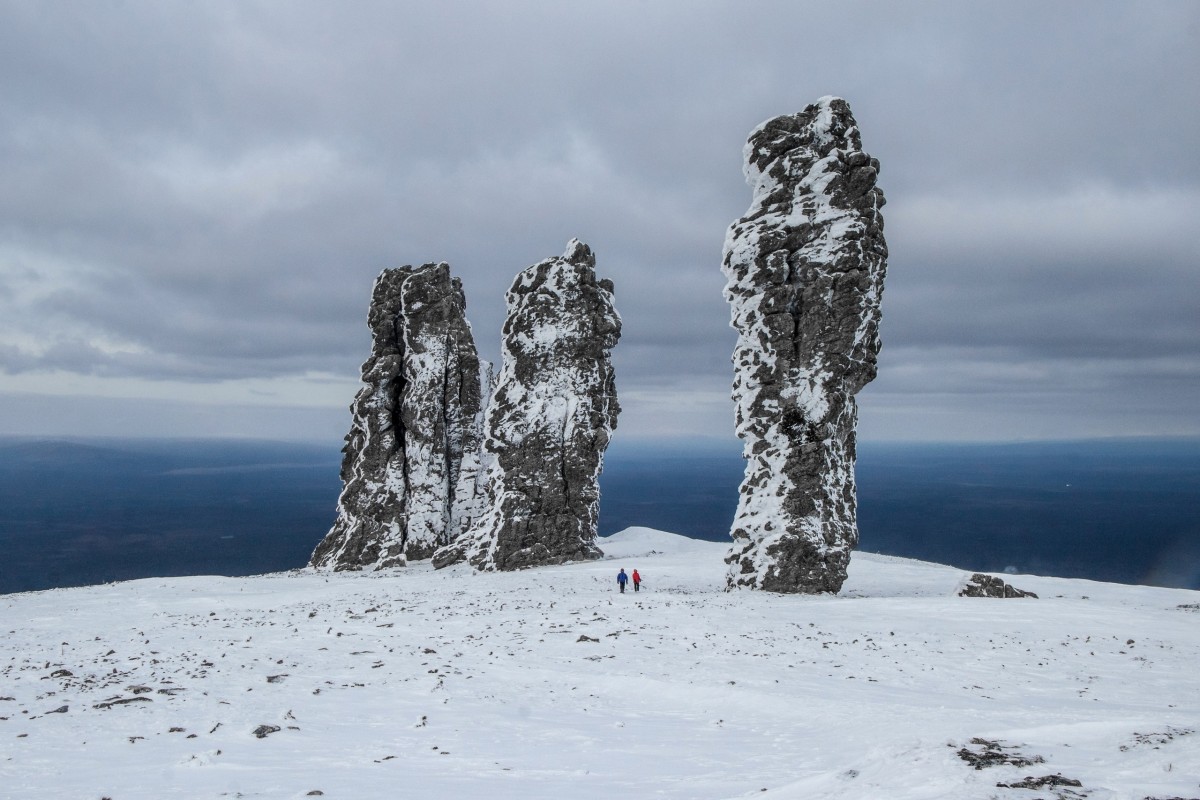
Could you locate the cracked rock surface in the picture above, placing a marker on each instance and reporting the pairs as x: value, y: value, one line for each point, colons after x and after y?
x: 804, y: 269
x: 549, y: 421
x: 411, y: 461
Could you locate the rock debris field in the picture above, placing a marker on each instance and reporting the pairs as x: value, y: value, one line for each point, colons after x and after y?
x: 548, y: 683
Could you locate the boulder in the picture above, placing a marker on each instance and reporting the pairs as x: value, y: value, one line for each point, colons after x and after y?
x: 980, y: 585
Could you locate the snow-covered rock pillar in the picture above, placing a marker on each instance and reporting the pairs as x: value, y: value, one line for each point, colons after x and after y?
x: 805, y: 269
x: 549, y: 420
x: 416, y: 422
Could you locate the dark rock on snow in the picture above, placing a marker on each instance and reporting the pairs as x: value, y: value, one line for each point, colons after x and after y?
x: 980, y: 585
x: 1046, y: 781
x: 988, y: 753
x: 549, y: 421
x: 120, y: 701
x: 805, y: 269
x: 411, y: 462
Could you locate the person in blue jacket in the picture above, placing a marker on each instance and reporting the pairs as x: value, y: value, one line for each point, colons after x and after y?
x: 621, y: 580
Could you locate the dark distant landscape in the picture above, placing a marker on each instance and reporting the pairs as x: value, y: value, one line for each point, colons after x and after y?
x: 78, y: 512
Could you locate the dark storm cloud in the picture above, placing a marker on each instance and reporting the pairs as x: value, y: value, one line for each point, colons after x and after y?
x: 202, y: 192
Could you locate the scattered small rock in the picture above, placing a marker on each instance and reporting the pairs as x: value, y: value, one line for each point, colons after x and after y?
x: 585, y: 638
x: 120, y: 701
x: 1153, y: 740
x: 993, y: 754
x: 1040, y: 783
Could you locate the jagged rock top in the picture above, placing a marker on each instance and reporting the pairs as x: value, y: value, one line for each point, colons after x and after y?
x: 814, y: 196
x: 540, y: 339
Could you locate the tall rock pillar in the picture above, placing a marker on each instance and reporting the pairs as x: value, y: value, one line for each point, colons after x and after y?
x: 416, y: 421
x: 805, y: 269
x: 549, y: 420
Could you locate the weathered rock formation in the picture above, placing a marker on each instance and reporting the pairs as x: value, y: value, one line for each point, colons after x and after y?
x: 410, y: 461
x: 980, y: 585
x: 549, y: 421
x: 805, y: 269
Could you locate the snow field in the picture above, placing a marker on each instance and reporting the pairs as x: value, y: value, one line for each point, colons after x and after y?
x: 412, y: 682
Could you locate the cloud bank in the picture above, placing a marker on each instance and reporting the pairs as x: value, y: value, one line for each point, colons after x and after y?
x: 197, y: 197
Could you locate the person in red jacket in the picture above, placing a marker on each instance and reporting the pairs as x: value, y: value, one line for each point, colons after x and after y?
x: 637, y: 580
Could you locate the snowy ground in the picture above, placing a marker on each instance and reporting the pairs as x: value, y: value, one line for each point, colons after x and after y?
x: 549, y: 684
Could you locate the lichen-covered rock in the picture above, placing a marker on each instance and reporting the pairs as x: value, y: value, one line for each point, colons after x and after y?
x: 549, y: 420
x: 805, y: 269
x: 980, y: 585
x: 416, y: 422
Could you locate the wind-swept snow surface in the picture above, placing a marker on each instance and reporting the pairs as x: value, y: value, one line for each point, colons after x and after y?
x: 548, y: 683
x: 805, y: 269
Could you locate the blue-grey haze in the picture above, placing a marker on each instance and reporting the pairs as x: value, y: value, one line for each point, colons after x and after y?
x: 77, y: 512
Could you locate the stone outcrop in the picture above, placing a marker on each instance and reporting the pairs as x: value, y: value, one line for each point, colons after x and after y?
x: 410, y: 460
x: 805, y: 269
x: 980, y: 585
x: 549, y: 421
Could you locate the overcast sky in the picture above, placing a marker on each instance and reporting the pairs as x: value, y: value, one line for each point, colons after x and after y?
x: 195, y: 199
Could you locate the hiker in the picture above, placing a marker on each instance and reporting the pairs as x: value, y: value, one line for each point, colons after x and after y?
x: 637, y: 580
x: 621, y: 579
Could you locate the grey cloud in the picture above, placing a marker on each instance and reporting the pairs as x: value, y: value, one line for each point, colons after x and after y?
x: 214, y: 187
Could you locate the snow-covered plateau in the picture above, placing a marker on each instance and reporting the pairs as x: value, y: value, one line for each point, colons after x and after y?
x: 548, y: 683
